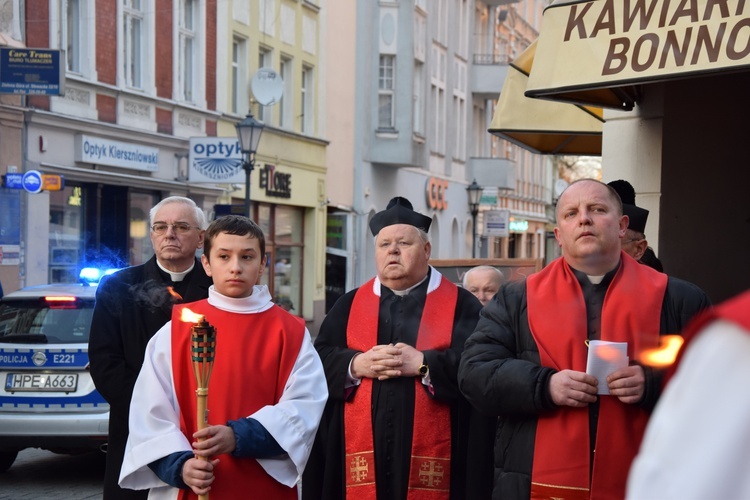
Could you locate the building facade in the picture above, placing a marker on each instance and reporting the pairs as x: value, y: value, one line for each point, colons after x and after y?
x: 138, y: 83
x: 288, y: 183
x: 144, y: 78
x: 425, y: 77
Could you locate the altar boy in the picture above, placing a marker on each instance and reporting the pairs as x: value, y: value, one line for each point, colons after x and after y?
x: 266, y: 392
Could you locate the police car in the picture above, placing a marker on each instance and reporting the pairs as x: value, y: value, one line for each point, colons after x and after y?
x: 48, y: 399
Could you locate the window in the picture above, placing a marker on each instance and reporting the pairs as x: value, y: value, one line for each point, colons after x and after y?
x: 73, y: 36
x: 66, y: 233
x: 286, y: 105
x: 418, y: 98
x: 437, y: 100
x: 140, y: 245
x: 307, y: 122
x: 386, y: 85
x: 284, y: 229
x: 239, y: 76
x: 265, y: 60
x: 188, y: 49
x: 459, y: 108
x: 133, y: 33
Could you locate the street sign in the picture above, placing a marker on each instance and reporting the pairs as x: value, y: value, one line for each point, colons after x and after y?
x: 496, y: 223
x: 53, y: 182
x: 32, y: 181
x: 13, y: 181
x: 31, y: 71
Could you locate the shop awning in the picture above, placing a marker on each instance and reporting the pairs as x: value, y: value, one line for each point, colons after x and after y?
x: 543, y: 126
x: 599, y: 52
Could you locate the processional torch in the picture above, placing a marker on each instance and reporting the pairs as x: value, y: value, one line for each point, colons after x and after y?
x: 202, y: 354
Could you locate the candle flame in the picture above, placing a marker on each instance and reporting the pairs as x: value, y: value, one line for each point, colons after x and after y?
x: 174, y: 294
x: 189, y: 316
x: 665, y: 354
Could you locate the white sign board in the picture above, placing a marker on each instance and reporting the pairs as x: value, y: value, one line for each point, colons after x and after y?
x: 116, y: 154
x: 215, y: 159
x: 496, y: 223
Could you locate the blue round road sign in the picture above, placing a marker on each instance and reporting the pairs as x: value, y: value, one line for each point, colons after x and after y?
x: 32, y: 181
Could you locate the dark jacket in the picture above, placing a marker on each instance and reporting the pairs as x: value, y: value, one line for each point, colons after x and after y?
x: 131, y: 306
x: 500, y: 374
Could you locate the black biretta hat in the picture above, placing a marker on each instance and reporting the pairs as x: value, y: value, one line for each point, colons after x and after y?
x: 399, y: 211
x: 637, y: 215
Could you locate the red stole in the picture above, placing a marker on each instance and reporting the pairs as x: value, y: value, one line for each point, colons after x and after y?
x: 255, y: 354
x: 429, y: 472
x: 557, y: 317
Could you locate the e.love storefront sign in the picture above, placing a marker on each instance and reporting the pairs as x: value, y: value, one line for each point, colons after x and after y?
x: 594, y: 52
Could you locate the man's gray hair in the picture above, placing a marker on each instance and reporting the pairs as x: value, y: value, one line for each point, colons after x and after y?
x: 423, y: 235
x: 500, y: 275
x: 200, y: 216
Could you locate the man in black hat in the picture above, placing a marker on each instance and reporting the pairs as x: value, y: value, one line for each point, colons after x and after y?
x: 395, y: 421
x: 634, y: 243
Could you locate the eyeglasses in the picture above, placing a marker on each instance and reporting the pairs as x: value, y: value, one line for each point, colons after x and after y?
x: 179, y: 227
x: 633, y: 240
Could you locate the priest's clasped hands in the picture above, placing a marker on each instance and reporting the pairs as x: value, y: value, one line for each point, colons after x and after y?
x: 385, y: 362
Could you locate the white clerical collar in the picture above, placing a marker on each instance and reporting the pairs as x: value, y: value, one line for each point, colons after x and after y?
x: 259, y: 301
x: 401, y: 293
x: 595, y: 280
x: 176, y: 276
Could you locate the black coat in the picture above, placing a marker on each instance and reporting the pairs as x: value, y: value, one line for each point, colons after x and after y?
x: 393, y: 402
x: 501, y: 374
x: 131, y: 306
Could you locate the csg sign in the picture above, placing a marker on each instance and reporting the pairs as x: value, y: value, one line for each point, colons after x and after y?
x: 215, y: 159
x: 435, y: 193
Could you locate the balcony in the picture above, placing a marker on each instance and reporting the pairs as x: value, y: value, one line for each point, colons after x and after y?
x: 497, y: 3
x: 488, y: 72
x: 493, y: 172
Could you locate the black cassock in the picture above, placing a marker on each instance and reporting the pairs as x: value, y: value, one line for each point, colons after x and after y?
x: 393, y: 403
x: 131, y: 306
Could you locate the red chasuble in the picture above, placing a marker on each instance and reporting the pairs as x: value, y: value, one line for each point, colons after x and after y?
x: 429, y: 473
x: 557, y: 317
x: 255, y: 354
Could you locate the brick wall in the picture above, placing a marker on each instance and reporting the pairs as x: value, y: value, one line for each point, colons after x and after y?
x: 164, y: 49
x: 37, y: 36
x: 211, y: 128
x: 211, y: 54
x: 107, y: 107
x: 163, y: 121
x: 106, y: 42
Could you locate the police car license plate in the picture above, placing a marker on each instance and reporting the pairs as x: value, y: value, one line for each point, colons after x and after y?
x: 41, y: 382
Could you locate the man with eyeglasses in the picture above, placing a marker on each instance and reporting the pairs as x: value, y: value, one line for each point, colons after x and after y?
x: 131, y: 305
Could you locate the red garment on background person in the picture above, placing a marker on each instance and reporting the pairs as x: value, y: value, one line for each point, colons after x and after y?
x: 557, y: 316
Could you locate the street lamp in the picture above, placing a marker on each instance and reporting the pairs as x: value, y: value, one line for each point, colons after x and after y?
x: 475, y: 195
x: 249, y: 131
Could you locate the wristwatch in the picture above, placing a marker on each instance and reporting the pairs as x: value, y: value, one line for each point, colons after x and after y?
x: 423, y: 369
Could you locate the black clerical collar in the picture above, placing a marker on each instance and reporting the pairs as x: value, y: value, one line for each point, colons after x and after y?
x: 417, y: 291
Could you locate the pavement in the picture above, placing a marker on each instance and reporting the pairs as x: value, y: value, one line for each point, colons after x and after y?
x: 40, y: 474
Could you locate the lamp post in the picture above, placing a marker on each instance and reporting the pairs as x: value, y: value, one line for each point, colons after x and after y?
x: 249, y: 131
x: 475, y: 195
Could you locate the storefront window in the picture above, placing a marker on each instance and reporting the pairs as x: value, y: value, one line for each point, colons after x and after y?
x: 140, y: 236
x: 287, y: 258
x: 66, y: 235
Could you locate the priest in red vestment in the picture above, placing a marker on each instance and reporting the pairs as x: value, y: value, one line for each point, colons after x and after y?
x: 558, y: 434
x: 396, y: 427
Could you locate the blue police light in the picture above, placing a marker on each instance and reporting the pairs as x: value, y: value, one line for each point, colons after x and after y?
x: 92, y: 275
